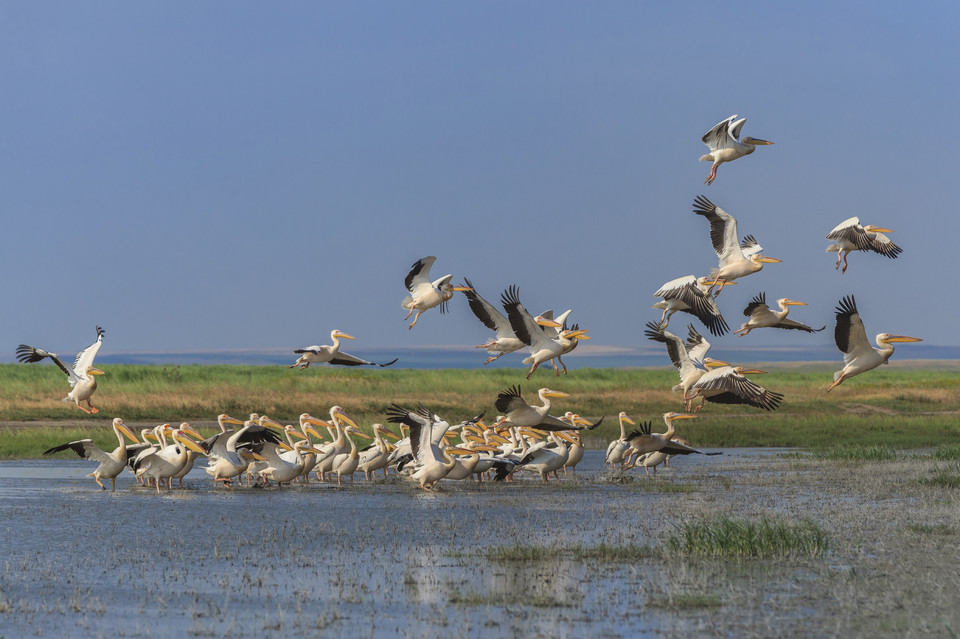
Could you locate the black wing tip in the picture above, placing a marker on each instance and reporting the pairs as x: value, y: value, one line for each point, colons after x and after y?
x: 391, y: 363
x: 100, y: 332
x: 702, y: 205
x: 847, y: 306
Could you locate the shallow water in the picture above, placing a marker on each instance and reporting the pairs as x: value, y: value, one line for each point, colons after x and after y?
x: 383, y: 558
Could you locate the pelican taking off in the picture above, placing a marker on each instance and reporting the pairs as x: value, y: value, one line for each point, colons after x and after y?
x: 851, y: 338
x: 517, y: 412
x: 529, y: 331
x: 425, y: 294
x: 330, y: 354
x: 506, y: 340
x: 725, y: 145
x: 691, y: 295
x: 83, y: 375
x: 761, y: 316
x: 111, y: 464
x: 735, y: 262
x: 850, y: 236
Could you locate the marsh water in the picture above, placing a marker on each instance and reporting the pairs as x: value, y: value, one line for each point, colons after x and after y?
x: 383, y: 558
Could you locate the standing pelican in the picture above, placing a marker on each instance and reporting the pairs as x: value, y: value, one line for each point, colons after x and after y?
x: 761, y: 316
x: 111, y: 464
x: 851, y: 338
x: 82, y: 377
x: 691, y: 294
x: 425, y: 294
x: 618, y: 447
x: 331, y: 354
x: 734, y: 261
x: 725, y: 145
x: 850, y: 236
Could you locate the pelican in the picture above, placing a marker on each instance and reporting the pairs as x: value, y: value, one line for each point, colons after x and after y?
x: 727, y: 384
x: 548, y: 459
x: 164, y: 464
x: 542, y: 348
x: 377, y: 455
x: 111, y: 464
x: 851, y: 338
x: 331, y: 354
x: 734, y: 263
x: 506, y: 340
x: 425, y: 294
x: 224, y: 449
x: 642, y: 441
x: 850, y: 236
x: 691, y: 294
x: 431, y: 462
x: 347, y: 463
x: 517, y: 412
x: 725, y: 145
x: 618, y: 447
x: 284, y: 469
x: 761, y: 316
x: 339, y: 445
x: 687, y: 358
x: 82, y: 377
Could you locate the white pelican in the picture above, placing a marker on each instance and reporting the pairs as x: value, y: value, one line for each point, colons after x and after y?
x: 347, y: 463
x: 431, y: 462
x: 762, y: 317
x: 331, y: 354
x: 734, y: 263
x: 281, y: 468
x: 111, y: 464
x: 726, y: 384
x: 517, y: 412
x: 550, y: 458
x: 376, y: 456
x: 542, y: 348
x: 82, y: 376
x: 725, y: 145
x: 691, y: 294
x: 425, y: 294
x: 506, y: 340
x: 339, y: 445
x: 653, y: 458
x: 162, y: 465
x: 618, y: 447
x: 688, y: 358
x: 643, y: 441
x: 850, y: 236
x: 224, y: 450
x: 851, y: 338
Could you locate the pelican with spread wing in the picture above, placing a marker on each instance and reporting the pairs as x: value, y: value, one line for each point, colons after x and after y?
x: 762, y: 317
x: 529, y: 330
x: 112, y: 463
x: 850, y: 236
x: 735, y: 261
x: 725, y: 144
x: 691, y: 295
x: 425, y: 294
x: 331, y: 354
x: 851, y: 338
x: 83, y: 375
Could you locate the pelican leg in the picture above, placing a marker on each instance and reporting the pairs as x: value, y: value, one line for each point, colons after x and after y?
x: 712, y: 176
x: 113, y: 484
x: 560, y: 359
x: 717, y: 292
x: 409, y: 313
x: 838, y: 381
x: 415, y: 319
x: 84, y: 409
x: 492, y: 359
x: 532, y: 368
x: 844, y: 269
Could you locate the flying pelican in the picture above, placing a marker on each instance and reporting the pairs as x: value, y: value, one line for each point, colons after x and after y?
x: 850, y: 236
x: 111, y: 464
x: 725, y: 145
x: 425, y: 294
x: 761, y: 316
x: 726, y: 384
x: 82, y: 377
x: 734, y: 263
x: 542, y: 348
x: 642, y: 441
x: 687, y: 358
x: 506, y: 340
x: 331, y: 354
x: 618, y: 447
x: 851, y: 338
x: 691, y: 294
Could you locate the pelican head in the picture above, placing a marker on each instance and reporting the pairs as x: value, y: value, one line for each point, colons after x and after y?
x: 784, y: 301
x: 546, y: 392
x: 625, y: 418
x: 669, y: 417
x: 341, y: 335
x: 120, y: 426
x: 178, y: 436
x: 94, y: 371
x: 763, y: 259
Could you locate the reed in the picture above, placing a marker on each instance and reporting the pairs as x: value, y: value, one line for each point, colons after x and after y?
x: 726, y: 537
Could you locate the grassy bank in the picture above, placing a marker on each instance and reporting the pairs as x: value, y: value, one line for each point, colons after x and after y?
x: 895, y: 407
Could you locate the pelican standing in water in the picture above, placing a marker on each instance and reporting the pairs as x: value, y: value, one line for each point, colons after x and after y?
x: 851, y: 338
x: 618, y: 447
x: 735, y: 262
x: 330, y: 354
x: 725, y: 145
x: 112, y: 463
x: 761, y: 316
x: 425, y: 294
x: 82, y: 376
x: 850, y: 236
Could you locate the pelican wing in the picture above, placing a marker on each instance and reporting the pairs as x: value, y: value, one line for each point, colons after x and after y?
x: 524, y: 326
x: 697, y: 345
x: 675, y: 347
x: 510, y: 400
x: 851, y: 231
x: 880, y: 243
x: 486, y: 313
x: 723, y: 230
x: 29, y: 354
x: 849, y: 334
x: 750, y: 246
x: 419, y: 274
x: 346, y: 359
x: 737, y: 389
x: 790, y: 324
x: 421, y: 428
x: 86, y: 356
x: 698, y: 302
x: 759, y: 302
x: 85, y: 448
x: 723, y: 134
x: 676, y: 448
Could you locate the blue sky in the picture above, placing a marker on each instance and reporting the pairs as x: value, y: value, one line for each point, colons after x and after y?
x: 252, y: 175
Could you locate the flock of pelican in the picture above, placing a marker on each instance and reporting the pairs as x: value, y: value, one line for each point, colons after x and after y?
x: 524, y: 436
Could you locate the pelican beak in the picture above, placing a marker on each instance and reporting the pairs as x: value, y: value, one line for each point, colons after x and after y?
x: 456, y: 450
x: 902, y: 338
x: 127, y: 433
x: 345, y: 336
x: 313, y: 431
x: 360, y: 433
x: 543, y: 321
x: 708, y: 282
x: 499, y: 439
x: 297, y: 434
x: 752, y: 371
x: 629, y: 421
x: 310, y: 449
x: 284, y: 446
x: 685, y: 416
x: 246, y: 454
x: 880, y: 229
x: 565, y: 437
x: 794, y: 303
x: 760, y: 142
x: 190, y: 430
x: 267, y: 422
x: 487, y: 449
x: 386, y: 432
x: 226, y: 419
x: 95, y: 371
x: 460, y: 288
x: 554, y: 393
x: 715, y: 363
x: 189, y: 443
x: 768, y: 260
x: 347, y: 420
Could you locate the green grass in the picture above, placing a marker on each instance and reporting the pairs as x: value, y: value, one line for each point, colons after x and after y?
x: 858, y: 453
x: 726, y: 537
x: 944, y: 478
x: 934, y: 529
x: 895, y: 408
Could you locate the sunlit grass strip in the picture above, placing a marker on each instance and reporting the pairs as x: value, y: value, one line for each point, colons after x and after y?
x: 858, y: 453
x: 946, y: 452
x: 725, y: 537
x: 602, y: 552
